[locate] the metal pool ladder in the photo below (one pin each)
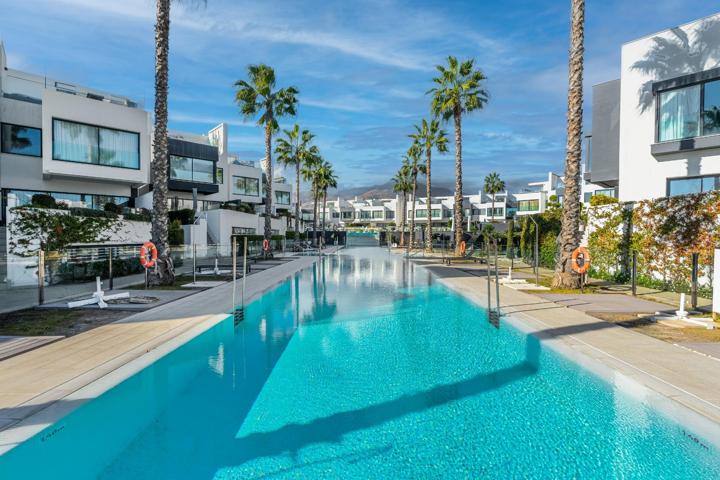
(493, 314)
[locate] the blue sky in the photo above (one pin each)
(362, 68)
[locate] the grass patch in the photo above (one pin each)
(41, 321)
(645, 325)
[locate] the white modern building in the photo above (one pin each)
(87, 148)
(656, 130)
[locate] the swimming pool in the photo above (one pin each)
(363, 367)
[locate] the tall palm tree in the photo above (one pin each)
(493, 185)
(326, 178)
(294, 149)
(402, 183)
(413, 159)
(429, 135)
(565, 277)
(309, 172)
(256, 96)
(459, 90)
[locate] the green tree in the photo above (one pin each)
(309, 172)
(565, 277)
(510, 239)
(492, 186)
(159, 166)
(295, 150)
(459, 91)
(429, 135)
(413, 159)
(326, 178)
(402, 183)
(258, 96)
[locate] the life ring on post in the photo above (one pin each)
(144, 260)
(580, 260)
(266, 245)
(462, 247)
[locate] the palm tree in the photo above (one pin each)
(309, 170)
(493, 185)
(565, 277)
(258, 96)
(459, 90)
(413, 159)
(429, 135)
(402, 183)
(326, 178)
(294, 150)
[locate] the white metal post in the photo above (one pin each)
(234, 272)
(244, 270)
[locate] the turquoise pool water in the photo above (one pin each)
(362, 367)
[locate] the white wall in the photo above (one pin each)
(99, 113)
(642, 175)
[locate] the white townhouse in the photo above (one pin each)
(88, 148)
(656, 130)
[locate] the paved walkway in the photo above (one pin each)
(33, 383)
(618, 354)
(606, 302)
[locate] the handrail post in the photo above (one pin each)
(41, 277)
(234, 273)
(694, 279)
(244, 272)
(497, 281)
(633, 274)
(110, 269)
(487, 256)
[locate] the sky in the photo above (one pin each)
(362, 68)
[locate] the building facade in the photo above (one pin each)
(657, 128)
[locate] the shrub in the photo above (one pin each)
(91, 213)
(113, 208)
(40, 200)
(176, 234)
(548, 250)
(142, 216)
(185, 216)
(598, 200)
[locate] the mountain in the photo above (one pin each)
(385, 190)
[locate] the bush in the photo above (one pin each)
(185, 216)
(176, 234)
(142, 216)
(598, 200)
(111, 207)
(40, 200)
(548, 250)
(90, 213)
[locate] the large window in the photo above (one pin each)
(422, 213)
(282, 198)
(689, 112)
(378, 214)
(528, 205)
(191, 169)
(219, 176)
(711, 108)
(685, 186)
(347, 215)
(246, 186)
(21, 140)
(78, 142)
(19, 198)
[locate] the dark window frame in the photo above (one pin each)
(21, 126)
(52, 131)
(698, 79)
(192, 170)
(691, 177)
(247, 178)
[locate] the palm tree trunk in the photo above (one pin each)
(402, 220)
(569, 238)
(412, 212)
(428, 228)
(267, 169)
(297, 201)
(458, 212)
(159, 168)
(323, 214)
(315, 213)
(492, 209)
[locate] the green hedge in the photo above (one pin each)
(185, 216)
(89, 212)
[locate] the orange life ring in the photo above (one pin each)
(462, 247)
(584, 264)
(266, 245)
(144, 261)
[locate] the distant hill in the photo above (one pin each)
(385, 190)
